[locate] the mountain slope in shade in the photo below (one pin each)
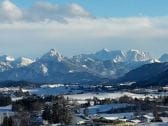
(160, 79)
(145, 73)
(164, 58)
(105, 54)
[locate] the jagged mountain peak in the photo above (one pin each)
(22, 61)
(137, 55)
(136, 51)
(52, 55)
(105, 50)
(53, 52)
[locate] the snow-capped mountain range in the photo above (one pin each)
(118, 56)
(53, 67)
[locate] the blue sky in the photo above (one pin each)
(116, 8)
(32, 27)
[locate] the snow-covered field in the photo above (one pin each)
(128, 115)
(53, 90)
(114, 95)
(105, 108)
(77, 94)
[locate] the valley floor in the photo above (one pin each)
(99, 105)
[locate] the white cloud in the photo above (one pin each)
(40, 11)
(9, 11)
(135, 27)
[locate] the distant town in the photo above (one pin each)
(83, 105)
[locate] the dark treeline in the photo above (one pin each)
(5, 100)
(18, 83)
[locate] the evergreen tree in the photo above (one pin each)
(86, 111)
(47, 113)
(59, 112)
(7, 121)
